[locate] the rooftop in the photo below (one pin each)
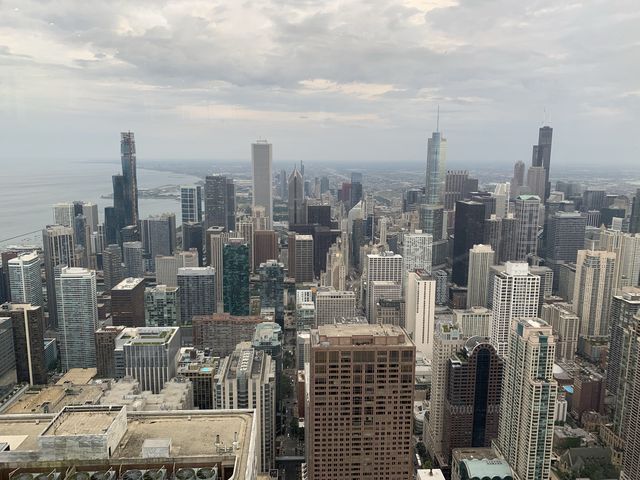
(359, 334)
(86, 421)
(128, 283)
(53, 398)
(78, 376)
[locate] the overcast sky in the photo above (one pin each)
(344, 81)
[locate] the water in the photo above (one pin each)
(28, 189)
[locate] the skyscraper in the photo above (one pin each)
(420, 307)
(301, 258)
(58, 247)
(161, 306)
(112, 266)
(191, 203)
(360, 425)
(130, 178)
(334, 305)
(634, 224)
(542, 155)
(631, 434)
(593, 289)
(167, 266)
(127, 303)
(626, 246)
(566, 326)
(261, 158)
(469, 231)
(536, 178)
(518, 178)
(215, 239)
(385, 266)
(196, 292)
(564, 237)
(26, 280)
(63, 214)
(133, 259)
(219, 202)
(481, 257)
(77, 317)
(235, 284)
(272, 289)
(516, 293)
(624, 306)
(159, 236)
(529, 393)
(265, 248)
(296, 198)
(455, 187)
(417, 251)
(436, 168)
(527, 212)
(193, 237)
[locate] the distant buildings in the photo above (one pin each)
(219, 202)
(261, 161)
(436, 169)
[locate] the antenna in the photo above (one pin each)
(438, 120)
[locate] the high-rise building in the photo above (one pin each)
(127, 303)
(261, 158)
(436, 169)
(624, 306)
(8, 373)
(301, 257)
(265, 247)
(219, 202)
(631, 412)
(235, 282)
(25, 279)
(417, 251)
(627, 249)
(105, 349)
(634, 223)
(58, 248)
(474, 321)
(167, 266)
(448, 339)
(244, 231)
(378, 290)
(130, 177)
(518, 176)
(63, 214)
(529, 393)
(90, 212)
(468, 231)
(360, 425)
(481, 257)
(527, 212)
(536, 178)
(272, 289)
(296, 198)
(196, 291)
(472, 397)
(77, 317)
(159, 236)
(133, 259)
(332, 306)
(112, 266)
(247, 379)
(161, 306)
(564, 237)
(193, 238)
(455, 187)
(566, 326)
(221, 332)
(593, 289)
(542, 155)
(216, 238)
(420, 307)
(28, 341)
(516, 294)
(386, 267)
(191, 203)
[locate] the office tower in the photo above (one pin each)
(411, 199)
(196, 292)
(508, 248)
(105, 346)
(592, 290)
(127, 303)
(455, 187)
(564, 237)
(378, 290)
(245, 231)
(272, 289)
(129, 174)
(417, 251)
(301, 258)
(25, 279)
(216, 237)
(385, 266)
(296, 197)
(342, 415)
(193, 237)
(624, 306)
(58, 248)
(167, 267)
(472, 397)
(627, 250)
(318, 214)
(161, 306)
(219, 202)
(265, 247)
(436, 168)
(566, 327)
(518, 175)
(481, 257)
(235, 284)
(332, 306)
(8, 373)
(112, 266)
(529, 393)
(150, 355)
(631, 457)
(305, 315)
(77, 317)
(634, 223)
(247, 379)
(28, 341)
(474, 321)
(159, 236)
(261, 158)
(221, 332)
(536, 181)
(268, 338)
(133, 261)
(516, 294)
(191, 203)
(80, 231)
(448, 339)
(501, 195)
(469, 231)
(63, 214)
(542, 156)
(527, 212)
(90, 212)
(420, 306)
(391, 312)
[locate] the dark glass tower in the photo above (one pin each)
(468, 231)
(235, 283)
(219, 202)
(130, 178)
(272, 287)
(634, 225)
(542, 156)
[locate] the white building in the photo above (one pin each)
(416, 251)
(191, 203)
(481, 257)
(420, 306)
(167, 266)
(261, 159)
(593, 289)
(332, 304)
(473, 321)
(379, 290)
(25, 279)
(385, 266)
(566, 327)
(63, 214)
(527, 211)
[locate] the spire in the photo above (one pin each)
(438, 120)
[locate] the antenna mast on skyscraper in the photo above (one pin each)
(438, 119)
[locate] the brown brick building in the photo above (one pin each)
(127, 303)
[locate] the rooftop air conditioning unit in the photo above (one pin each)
(186, 474)
(207, 473)
(154, 474)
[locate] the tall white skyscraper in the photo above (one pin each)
(627, 249)
(592, 290)
(90, 211)
(261, 159)
(191, 203)
(385, 266)
(63, 214)
(529, 393)
(26, 280)
(527, 212)
(481, 257)
(502, 193)
(417, 251)
(516, 294)
(58, 246)
(420, 307)
(436, 169)
(77, 317)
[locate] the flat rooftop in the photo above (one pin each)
(128, 283)
(78, 376)
(355, 334)
(54, 397)
(21, 432)
(84, 422)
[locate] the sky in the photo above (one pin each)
(353, 82)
